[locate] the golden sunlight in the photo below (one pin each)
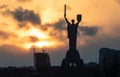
(44, 40)
(43, 44)
(35, 32)
(49, 15)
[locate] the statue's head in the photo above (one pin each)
(72, 21)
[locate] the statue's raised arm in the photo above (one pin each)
(65, 14)
(66, 19)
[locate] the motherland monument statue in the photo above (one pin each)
(72, 58)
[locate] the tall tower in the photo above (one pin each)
(72, 58)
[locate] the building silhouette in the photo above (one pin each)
(109, 61)
(41, 60)
(42, 65)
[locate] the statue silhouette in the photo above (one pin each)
(72, 31)
(72, 58)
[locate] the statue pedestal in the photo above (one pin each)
(72, 59)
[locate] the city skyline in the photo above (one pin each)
(40, 24)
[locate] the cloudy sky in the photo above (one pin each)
(40, 23)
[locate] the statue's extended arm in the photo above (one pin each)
(66, 18)
(78, 22)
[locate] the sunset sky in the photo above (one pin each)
(40, 23)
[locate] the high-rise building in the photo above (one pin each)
(109, 60)
(41, 60)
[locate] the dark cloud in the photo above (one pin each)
(58, 30)
(3, 6)
(23, 25)
(60, 25)
(6, 35)
(85, 30)
(90, 31)
(24, 15)
(59, 35)
(118, 1)
(31, 39)
(46, 26)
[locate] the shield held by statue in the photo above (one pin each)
(79, 17)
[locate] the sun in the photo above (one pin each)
(42, 44)
(36, 32)
(44, 40)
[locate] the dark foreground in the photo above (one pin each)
(56, 72)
